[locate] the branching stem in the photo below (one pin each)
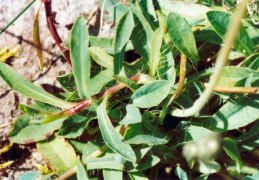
(220, 63)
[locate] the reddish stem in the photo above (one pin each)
(53, 30)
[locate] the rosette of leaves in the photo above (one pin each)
(116, 118)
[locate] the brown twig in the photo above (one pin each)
(53, 30)
(225, 89)
(181, 80)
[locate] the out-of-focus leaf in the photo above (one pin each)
(24, 133)
(17, 83)
(220, 22)
(36, 35)
(151, 94)
(59, 153)
(109, 174)
(182, 36)
(67, 82)
(111, 137)
(232, 74)
(208, 167)
(156, 44)
(81, 172)
(5, 54)
(248, 141)
(137, 175)
(133, 115)
(101, 57)
(123, 32)
(181, 173)
(29, 176)
(81, 61)
(244, 108)
(253, 177)
(231, 149)
(138, 134)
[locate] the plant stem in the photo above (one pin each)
(53, 30)
(68, 174)
(16, 17)
(181, 80)
(220, 63)
(225, 89)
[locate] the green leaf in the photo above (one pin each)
(147, 162)
(123, 32)
(220, 22)
(182, 36)
(151, 94)
(131, 84)
(67, 82)
(138, 134)
(17, 83)
(234, 114)
(109, 174)
(133, 115)
(231, 149)
(156, 44)
(36, 36)
(181, 173)
(59, 153)
(252, 62)
(81, 173)
(209, 167)
(81, 61)
(232, 74)
(101, 57)
(207, 34)
(29, 176)
(249, 140)
(255, 176)
(111, 137)
(162, 21)
(24, 133)
(137, 176)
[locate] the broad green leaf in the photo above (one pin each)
(249, 140)
(101, 57)
(148, 10)
(207, 34)
(182, 36)
(220, 22)
(141, 35)
(255, 176)
(17, 83)
(109, 174)
(252, 62)
(36, 35)
(162, 21)
(147, 162)
(78, 145)
(138, 134)
(29, 176)
(133, 115)
(151, 94)
(81, 172)
(137, 175)
(46, 177)
(231, 75)
(156, 44)
(209, 167)
(73, 126)
(234, 114)
(67, 82)
(24, 133)
(131, 84)
(111, 137)
(231, 149)
(59, 153)
(81, 61)
(181, 173)
(123, 32)
(193, 13)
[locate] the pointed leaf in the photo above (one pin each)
(133, 115)
(17, 83)
(123, 32)
(29, 176)
(36, 35)
(231, 149)
(182, 36)
(81, 61)
(67, 82)
(81, 173)
(101, 57)
(111, 137)
(137, 175)
(131, 84)
(151, 94)
(220, 22)
(109, 174)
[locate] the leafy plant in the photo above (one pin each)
(140, 118)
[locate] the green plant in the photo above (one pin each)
(148, 115)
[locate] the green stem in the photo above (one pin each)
(10, 23)
(220, 63)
